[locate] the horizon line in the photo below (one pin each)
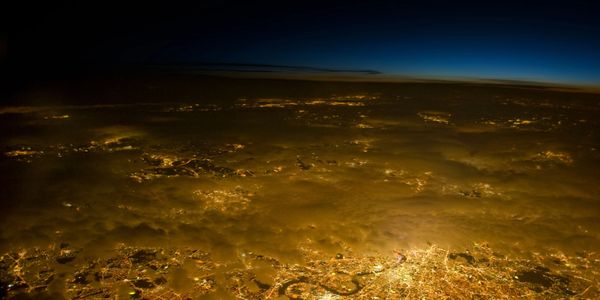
(291, 72)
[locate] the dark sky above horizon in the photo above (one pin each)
(528, 40)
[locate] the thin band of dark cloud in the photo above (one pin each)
(251, 67)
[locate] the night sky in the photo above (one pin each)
(543, 41)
